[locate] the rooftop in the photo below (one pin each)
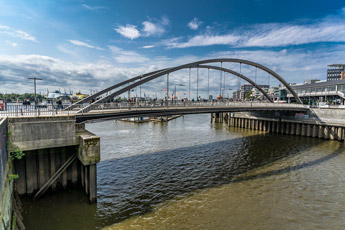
(337, 65)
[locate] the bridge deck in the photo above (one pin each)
(116, 110)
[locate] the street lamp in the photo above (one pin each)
(35, 79)
(178, 85)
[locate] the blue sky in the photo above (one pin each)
(89, 45)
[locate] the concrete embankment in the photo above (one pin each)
(319, 123)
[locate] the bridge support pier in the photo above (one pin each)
(340, 133)
(332, 133)
(326, 132)
(321, 132)
(303, 130)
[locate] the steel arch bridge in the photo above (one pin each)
(204, 64)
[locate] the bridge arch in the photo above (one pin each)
(167, 71)
(152, 75)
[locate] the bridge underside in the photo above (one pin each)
(157, 112)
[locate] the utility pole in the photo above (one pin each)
(35, 79)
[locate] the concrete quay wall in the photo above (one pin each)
(318, 123)
(55, 147)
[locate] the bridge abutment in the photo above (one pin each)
(59, 154)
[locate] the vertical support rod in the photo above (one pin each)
(167, 87)
(223, 83)
(129, 95)
(197, 84)
(208, 84)
(189, 85)
(220, 82)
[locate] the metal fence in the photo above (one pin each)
(51, 110)
(3, 153)
(179, 104)
(31, 110)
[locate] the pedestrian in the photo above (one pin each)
(59, 104)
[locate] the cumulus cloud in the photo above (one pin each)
(79, 43)
(16, 33)
(194, 24)
(56, 73)
(14, 71)
(151, 29)
(128, 31)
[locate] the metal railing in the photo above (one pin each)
(53, 110)
(31, 110)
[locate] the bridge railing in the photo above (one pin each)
(180, 104)
(52, 110)
(32, 110)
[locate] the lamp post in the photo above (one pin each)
(178, 85)
(35, 79)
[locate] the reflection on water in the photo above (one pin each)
(190, 174)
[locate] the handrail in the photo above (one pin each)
(50, 110)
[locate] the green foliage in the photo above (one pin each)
(13, 97)
(16, 153)
(249, 95)
(12, 177)
(14, 150)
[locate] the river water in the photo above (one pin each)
(193, 174)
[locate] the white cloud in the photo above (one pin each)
(165, 21)
(11, 43)
(283, 35)
(329, 29)
(59, 74)
(203, 40)
(16, 33)
(194, 24)
(128, 31)
(151, 29)
(124, 56)
(292, 64)
(94, 8)
(79, 43)
(148, 47)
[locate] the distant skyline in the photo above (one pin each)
(89, 45)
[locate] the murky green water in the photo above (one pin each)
(190, 174)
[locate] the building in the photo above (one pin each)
(236, 95)
(336, 72)
(245, 89)
(319, 91)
